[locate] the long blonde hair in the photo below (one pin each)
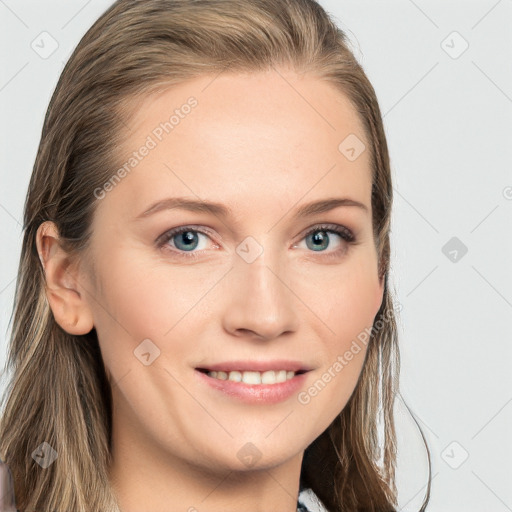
(59, 392)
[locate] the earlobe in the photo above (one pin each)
(63, 290)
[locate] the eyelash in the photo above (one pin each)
(342, 231)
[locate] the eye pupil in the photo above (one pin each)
(188, 237)
(320, 240)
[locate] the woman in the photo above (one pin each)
(202, 305)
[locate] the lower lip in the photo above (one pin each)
(256, 393)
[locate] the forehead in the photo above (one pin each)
(237, 137)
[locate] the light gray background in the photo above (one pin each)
(447, 115)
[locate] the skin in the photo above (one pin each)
(262, 144)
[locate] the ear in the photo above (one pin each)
(63, 290)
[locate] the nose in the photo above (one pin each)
(261, 304)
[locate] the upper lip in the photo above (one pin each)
(257, 366)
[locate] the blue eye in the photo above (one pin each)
(185, 240)
(321, 240)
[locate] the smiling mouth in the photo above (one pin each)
(253, 377)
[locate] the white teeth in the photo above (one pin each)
(236, 376)
(269, 377)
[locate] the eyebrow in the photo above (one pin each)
(218, 209)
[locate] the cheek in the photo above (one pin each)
(347, 300)
(348, 308)
(141, 300)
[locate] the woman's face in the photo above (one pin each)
(245, 282)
